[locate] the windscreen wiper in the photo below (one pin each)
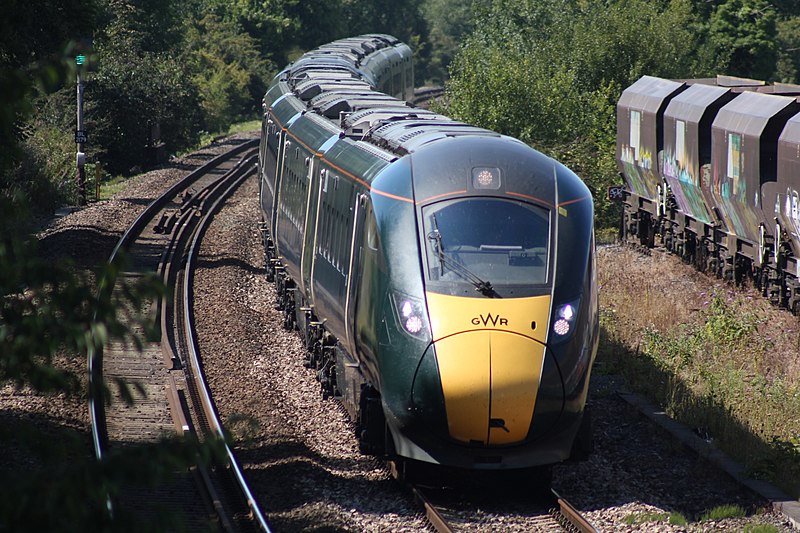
(484, 287)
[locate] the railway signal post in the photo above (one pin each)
(80, 134)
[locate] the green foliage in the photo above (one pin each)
(405, 20)
(760, 528)
(644, 518)
(715, 374)
(228, 71)
(726, 328)
(550, 73)
(744, 36)
(48, 308)
(674, 518)
(68, 491)
(722, 512)
(268, 21)
(130, 95)
(449, 21)
(788, 67)
(677, 519)
(45, 169)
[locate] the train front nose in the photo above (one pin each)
(489, 355)
(489, 382)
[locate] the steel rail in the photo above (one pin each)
(95, 357)
(207, 401)
(573, 516)
(433, 515)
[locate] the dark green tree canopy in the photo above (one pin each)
(744, 36)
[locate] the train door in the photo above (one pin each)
(269, 169)
(356, 246)
(309, 238)
(321, 189)
(284, 145)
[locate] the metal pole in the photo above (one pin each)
(81, 156)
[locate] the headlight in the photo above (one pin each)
(564, 320)
(411, 314)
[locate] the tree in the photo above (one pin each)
(36, 39)
(550, 73)
(449, 22)
(744, 36)
(788, 67)
(227, 69)
(138, 94)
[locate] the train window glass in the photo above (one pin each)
(397, 83)
(500, 241)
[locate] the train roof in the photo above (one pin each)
(791, 132)
(360, 122)
(648, 93)
(333, 81)
(727, 81)
(750, 112)
(693, 103)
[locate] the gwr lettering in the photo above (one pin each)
(489, 319)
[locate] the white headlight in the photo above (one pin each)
(564, 320)
(412, 314)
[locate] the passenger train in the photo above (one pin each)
(441, 275)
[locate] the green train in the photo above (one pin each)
(441, 275)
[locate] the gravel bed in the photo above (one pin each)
(87, 236)
(303, 458)
(299, 451)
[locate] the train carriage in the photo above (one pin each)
(726, 177)
(442, 275)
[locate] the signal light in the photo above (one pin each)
(80, 59)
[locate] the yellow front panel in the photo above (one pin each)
(516, 369)
(464, 359)
(456, 314)
(490, 354)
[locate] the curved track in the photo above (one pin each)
(167, 371)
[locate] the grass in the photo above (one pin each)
(673, 518)
(206, 138)
(718, 359)
(722, 512)
(760, 528)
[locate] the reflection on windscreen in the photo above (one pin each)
(490, 240)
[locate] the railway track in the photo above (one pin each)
(423, 96)
(510, 505)
(167, 371)
(542, 513)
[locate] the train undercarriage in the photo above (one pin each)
(770, 265)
